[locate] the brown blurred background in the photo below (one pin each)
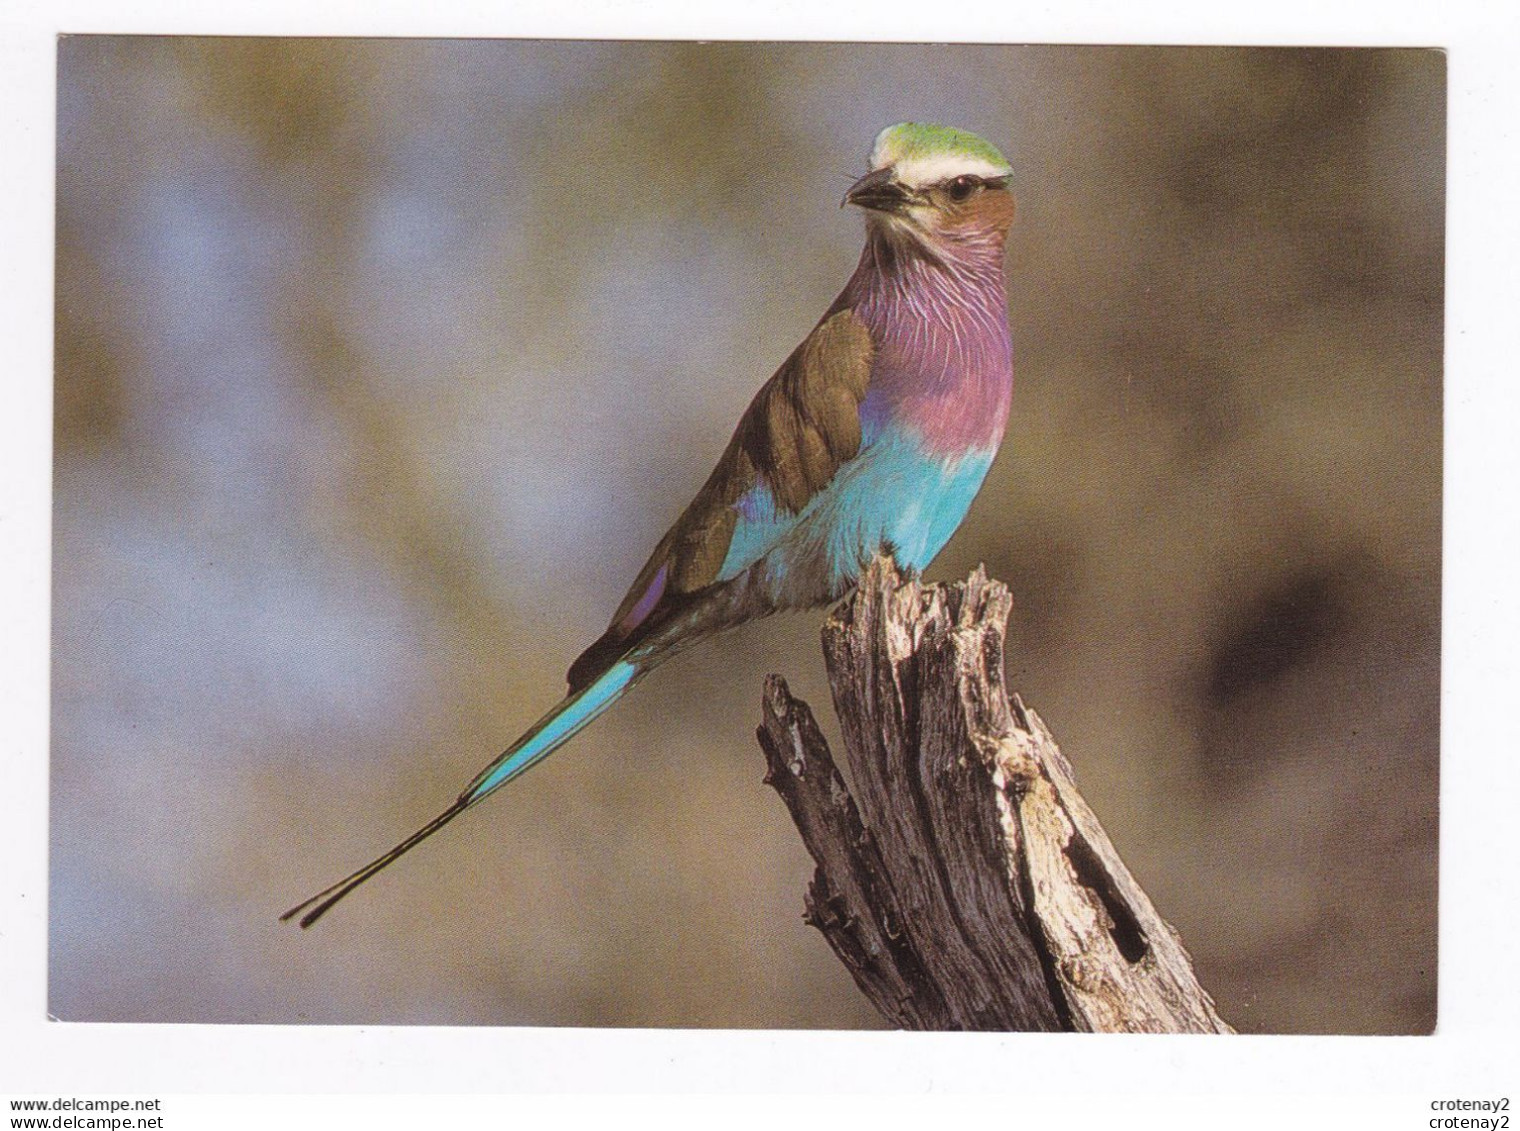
(381, 365)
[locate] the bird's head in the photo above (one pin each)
(936, 185)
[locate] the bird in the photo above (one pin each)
(875, 434)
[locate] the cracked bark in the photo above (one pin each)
(963, 881)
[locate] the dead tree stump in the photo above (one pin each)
(963, 881)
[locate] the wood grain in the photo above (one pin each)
(961, 878)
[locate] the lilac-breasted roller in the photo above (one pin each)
(875, 433)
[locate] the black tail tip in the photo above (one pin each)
(313, 914)
(293, 912)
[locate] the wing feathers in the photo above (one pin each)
(806, 421)
(802, 425)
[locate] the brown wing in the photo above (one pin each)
(802, 425)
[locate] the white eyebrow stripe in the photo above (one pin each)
(921, 171)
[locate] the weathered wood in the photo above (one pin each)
(963, 881)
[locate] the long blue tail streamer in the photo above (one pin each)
(563, 723)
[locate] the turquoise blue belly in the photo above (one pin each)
(891, 493)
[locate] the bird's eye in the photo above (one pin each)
(962, 187)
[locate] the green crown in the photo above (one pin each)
(908, 141)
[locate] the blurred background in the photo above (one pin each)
(382, 365)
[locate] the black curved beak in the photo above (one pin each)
(877, 191)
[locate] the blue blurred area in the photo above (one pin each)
(383, 364)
